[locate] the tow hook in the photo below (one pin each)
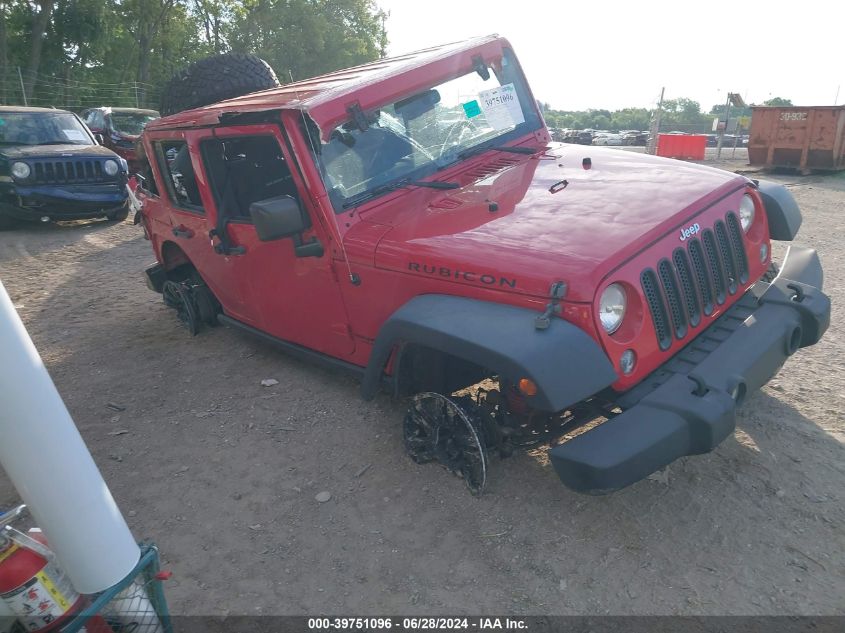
(701, 388)
(557, 291)
(799, 292)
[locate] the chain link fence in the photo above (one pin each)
(68, 94)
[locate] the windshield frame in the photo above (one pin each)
(504, 69)
(23, 115)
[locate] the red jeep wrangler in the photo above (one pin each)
(410, 220)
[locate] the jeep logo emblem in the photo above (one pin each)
(689, 231)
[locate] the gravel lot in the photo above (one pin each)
(222, 473)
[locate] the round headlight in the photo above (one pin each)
(746, 212)
(110, 167)
(612, 308)
(21, 171)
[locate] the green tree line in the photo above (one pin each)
(85, 52)
(682, 114)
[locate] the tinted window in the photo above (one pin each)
(42, 128)
(246, 169)
(178, 171)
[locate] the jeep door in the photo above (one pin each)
(183, 204)
(292, 292)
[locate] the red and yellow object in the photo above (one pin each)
(36, 591)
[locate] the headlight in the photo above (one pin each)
(110, 167)
(746, 212)
(612, 308)
(21, 171)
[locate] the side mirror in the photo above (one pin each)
(275, 218)
(99, 138)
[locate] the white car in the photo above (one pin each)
(608, 139)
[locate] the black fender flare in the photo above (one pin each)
(563, 361)
(782, 210)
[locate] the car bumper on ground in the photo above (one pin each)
(67, 202)
(687, 407)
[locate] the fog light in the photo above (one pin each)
(627, 361)
(527, 387)
(764, 252)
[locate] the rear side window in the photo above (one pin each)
(95, 120)
(178, 171)
(243, 170)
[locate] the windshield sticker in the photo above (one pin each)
(74, 135)
(501, 107)
(472, 109)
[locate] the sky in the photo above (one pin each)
(612, 55)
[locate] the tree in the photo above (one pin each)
(40, 22)
(4, 52)
(215, 17)
(309, 37)
(632, 119)
(778, 101)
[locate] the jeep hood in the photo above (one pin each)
(18, 152)
(509, 231)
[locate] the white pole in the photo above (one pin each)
(50, 466)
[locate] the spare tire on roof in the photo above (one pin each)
(214, 79)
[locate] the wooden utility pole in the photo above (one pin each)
(655, 125)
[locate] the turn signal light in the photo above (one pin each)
(527, 387)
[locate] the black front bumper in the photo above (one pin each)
(687, 406)
(63, 202)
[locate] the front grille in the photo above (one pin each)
(69, 172)
(705, 284)
(682, 265)
(695, 279)
(673, 297)
(737, 248)
(727, 255)
(658, 312)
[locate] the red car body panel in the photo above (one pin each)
(524, 234)
(603, 217)
(606, 224)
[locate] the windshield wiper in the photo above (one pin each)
(392, 186)
(496, 148)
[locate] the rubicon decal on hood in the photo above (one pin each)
(485, 279)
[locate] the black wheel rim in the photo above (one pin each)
(180, 297)
(437, 428)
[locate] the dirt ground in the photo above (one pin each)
(222, 472)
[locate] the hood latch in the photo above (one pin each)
(557, 291)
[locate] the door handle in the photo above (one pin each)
(183, 232)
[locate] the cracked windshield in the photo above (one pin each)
(415, 136)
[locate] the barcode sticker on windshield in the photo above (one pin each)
(501, 107)
(74, 135)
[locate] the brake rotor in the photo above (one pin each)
(178, 296)
(439, 429)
